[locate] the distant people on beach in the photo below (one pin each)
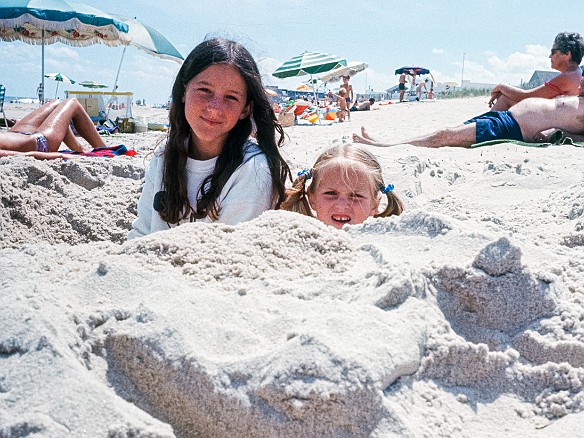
(39, 93)
(343, 105)
(430, 94)
(566, 55)
(531, 120)
(363, 106)
(402, 86)
(419, 89)
(350, 96)
(40, 133)
(221, 161)
(346, 187)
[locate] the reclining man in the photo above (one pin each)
(530, 120)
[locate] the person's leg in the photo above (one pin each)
(71, 141)
(34, 119)
(56, 126)
(37, 155)
(461, 136)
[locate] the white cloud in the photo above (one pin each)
(512, 69)
(438, 51)
(62, 52)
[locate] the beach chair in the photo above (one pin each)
(2, 95)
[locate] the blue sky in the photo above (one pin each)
(502, 41)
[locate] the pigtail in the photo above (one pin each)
(394, 204)
(296, 198)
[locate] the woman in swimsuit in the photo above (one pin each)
(41, 132)
(565, 56)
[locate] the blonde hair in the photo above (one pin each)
(353, 159)
(342, 91)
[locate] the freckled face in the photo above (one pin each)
(215, 100)
(337, 203)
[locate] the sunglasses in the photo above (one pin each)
(555, 50)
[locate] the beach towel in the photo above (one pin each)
(563, 141)
(106, 151)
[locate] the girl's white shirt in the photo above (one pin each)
(246, 195)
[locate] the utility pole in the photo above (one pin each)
(462, 74)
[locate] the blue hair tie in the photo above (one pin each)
(386, 189)
(305, 172)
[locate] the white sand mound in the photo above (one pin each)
(285, 327)
(462, 317)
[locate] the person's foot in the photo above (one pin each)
(365, 134)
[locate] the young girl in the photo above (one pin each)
(343, 106)
(210, 169)
(346, 188)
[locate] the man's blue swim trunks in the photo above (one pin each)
(496, 125)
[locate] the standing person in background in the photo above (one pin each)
(40, 93)
(221, 161)
(402, 86)
(343, 106)
(349, 96)
(566, 55)
(419, 89)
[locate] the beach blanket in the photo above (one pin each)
(106, 151)
(563, 141)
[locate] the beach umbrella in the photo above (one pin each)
(59, 78)
(50, 21)
(351, 69)
(412, 70)
(92, 84)
(149, 40)
(309, 63)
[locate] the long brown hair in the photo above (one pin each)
(175, 205)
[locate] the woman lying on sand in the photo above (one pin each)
(40, 133)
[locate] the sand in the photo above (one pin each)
(462, 317)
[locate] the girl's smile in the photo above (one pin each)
(215, 100)
(337, 203)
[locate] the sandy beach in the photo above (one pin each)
(462, 317)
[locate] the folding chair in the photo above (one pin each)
(2, 94)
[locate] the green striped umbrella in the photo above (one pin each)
(309, 63)
(59, 78)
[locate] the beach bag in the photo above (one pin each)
(286, 119)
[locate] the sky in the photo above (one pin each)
(499, 41)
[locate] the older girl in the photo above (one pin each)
(210, 168)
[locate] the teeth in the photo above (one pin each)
(341, 218)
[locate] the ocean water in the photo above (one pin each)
(20, 99)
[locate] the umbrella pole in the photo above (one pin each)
(42, 96)
(315, 100)
(119, 68)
